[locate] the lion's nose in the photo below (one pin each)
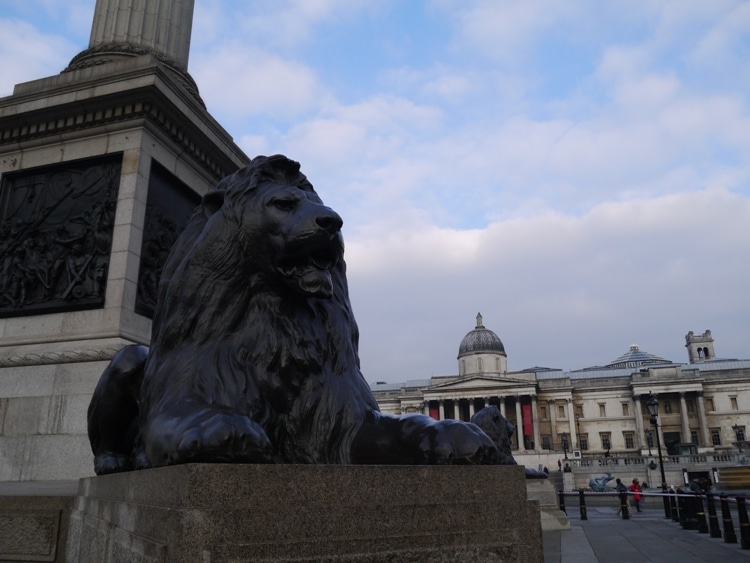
(330, 221)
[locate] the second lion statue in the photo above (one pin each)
(254, 350)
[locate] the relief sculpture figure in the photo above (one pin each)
(254, 354)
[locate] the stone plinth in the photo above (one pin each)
(33, 527)
(222, 513)
(543, 491)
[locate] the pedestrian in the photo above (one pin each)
(695, 486)
(621, 488)
(559, 465)
(635, 488)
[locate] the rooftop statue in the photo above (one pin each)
(253, 356)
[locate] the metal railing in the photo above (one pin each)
(687, 508)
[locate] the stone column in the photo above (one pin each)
(155, 25)
(535, 422)
(639, 430)
(501, 402)
(572, 423)
(519, 423)
(704, 435)
(684, 418)
(426, 408)
(552, 421)
(471, 407)
(441, 407)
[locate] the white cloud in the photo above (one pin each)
(238, 80)
(643, 269)
(29, 54)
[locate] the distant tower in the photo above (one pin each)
(700, 348)
(481, 351)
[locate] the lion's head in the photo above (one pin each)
(272, 203)
(263, 230)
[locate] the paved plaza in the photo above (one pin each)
(646, 537)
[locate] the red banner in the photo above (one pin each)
(528, 425)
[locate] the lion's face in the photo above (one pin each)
(302, 236)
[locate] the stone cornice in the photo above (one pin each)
(114, 110)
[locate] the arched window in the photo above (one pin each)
(479, 364)
(705, 353)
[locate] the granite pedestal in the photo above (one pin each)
(223, 513)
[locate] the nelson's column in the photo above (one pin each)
(100, 166)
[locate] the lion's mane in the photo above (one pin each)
(227, 334)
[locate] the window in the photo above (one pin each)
(716, 436)
(693, 437)
(543, 413)
(667, 407)
(625, 410)
(629, 442)
(733, 400)
(584, 438)
(605, 437)
(579, 411)
(479, 364)
(497, 364)
(602, 410)
(740, 433)
(709, 404)
(561, 411)
(691, 406)
(545, 442)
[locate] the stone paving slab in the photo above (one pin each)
(646, 537)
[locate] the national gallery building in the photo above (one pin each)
(704, 404)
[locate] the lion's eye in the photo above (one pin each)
(286, 204)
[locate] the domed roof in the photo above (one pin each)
(635, 357)
(481, 340)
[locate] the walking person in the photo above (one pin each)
(621, 488)
(635, 488)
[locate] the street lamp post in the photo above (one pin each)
(653, 409)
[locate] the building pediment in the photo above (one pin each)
(495, 383)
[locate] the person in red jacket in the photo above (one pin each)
(635, 488)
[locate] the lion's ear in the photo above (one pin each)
(213, 201)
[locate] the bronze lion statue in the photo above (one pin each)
(254, 355)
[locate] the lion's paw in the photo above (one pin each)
(207, 435)
(455, 442)
(111, 463)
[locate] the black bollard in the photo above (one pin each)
(681, 508)
(713, 519)
(624, 506)
(561, 498)
(673, 506)
(729, 536)
(700, 514)
(744, 523)
(582, 501)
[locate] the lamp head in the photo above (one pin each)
(652, 405)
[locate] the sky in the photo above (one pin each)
(577, 171)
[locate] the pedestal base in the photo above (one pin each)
(223, 513)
